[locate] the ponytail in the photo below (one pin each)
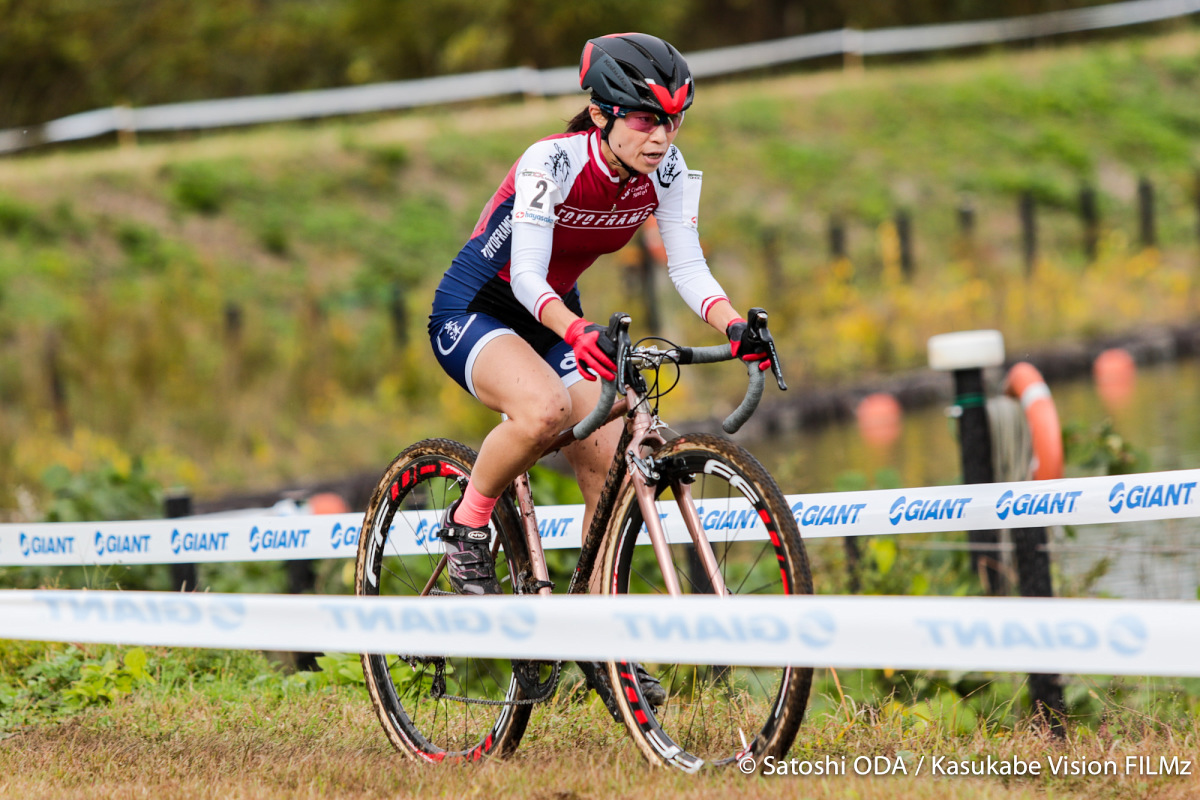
(581, 121)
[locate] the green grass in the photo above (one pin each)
(204, 723)
(325, 241)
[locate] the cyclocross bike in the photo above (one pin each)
(442, 708)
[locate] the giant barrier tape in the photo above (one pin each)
(988, 634)
(1071, 501)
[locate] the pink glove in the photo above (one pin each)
(594, 352)
(746, 346)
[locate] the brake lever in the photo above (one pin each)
(618, 331)
(758, 329)
(618, 334)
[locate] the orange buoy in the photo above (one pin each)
(1115, 373)
(1025, 383)
(879, 416)
(327, 503)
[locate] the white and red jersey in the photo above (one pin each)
(559, 208)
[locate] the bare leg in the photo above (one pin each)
(510, 377)
(591, 458)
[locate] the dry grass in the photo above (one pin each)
(195, 743)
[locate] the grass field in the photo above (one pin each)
(212, 724)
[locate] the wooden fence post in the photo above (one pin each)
(399, 315)
(233, 322)
(1147, 227)
(837, 238)
(57, 383)
(1090, 215)
(904, 234)
(1028, 214)
(184, 577)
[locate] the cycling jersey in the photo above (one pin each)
(559, 208)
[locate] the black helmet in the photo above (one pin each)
(636, 70)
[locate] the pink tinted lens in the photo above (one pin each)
(645, 122)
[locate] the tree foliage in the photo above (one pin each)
(63, 56)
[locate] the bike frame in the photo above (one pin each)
(628, 466)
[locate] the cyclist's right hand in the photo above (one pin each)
(595, 353)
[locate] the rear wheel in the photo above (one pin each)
(436, 708)
(712, 714)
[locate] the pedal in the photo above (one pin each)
(530, 586)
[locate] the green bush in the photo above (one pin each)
(104, 493)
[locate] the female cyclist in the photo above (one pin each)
(507, 322)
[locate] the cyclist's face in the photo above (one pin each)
(644, 151)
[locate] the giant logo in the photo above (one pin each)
(46, 545)
(116, 544)
(1022, 505)
(341, 537)
(921, 509)
(512, 623)
(1149, 495)
(198, 542)
(814, 628)
(1125, 635)
(134, 608)
(832, 514)
(738, 519)
(282, 539)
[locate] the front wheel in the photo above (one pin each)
(712, 714)
(436, 708)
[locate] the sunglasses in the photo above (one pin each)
(644, 121)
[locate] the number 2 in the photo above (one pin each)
(536, 202)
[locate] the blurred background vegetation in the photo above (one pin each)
(238, 310)
(234, 311)
(64, 56)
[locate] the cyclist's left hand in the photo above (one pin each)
(746, 345)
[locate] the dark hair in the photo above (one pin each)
(581, 121)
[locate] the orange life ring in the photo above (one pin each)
(1025, 383)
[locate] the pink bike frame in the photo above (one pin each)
(643, 435)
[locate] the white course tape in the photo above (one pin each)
(989, 634)
(1070, 501)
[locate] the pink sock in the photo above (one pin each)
(475, 509)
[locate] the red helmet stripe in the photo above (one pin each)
(672, 104)
(587, 62)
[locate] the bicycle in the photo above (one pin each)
(437, 708)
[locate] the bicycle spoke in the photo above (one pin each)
(750, 571)
(759, 589)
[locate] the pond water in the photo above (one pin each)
(1161, 420)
